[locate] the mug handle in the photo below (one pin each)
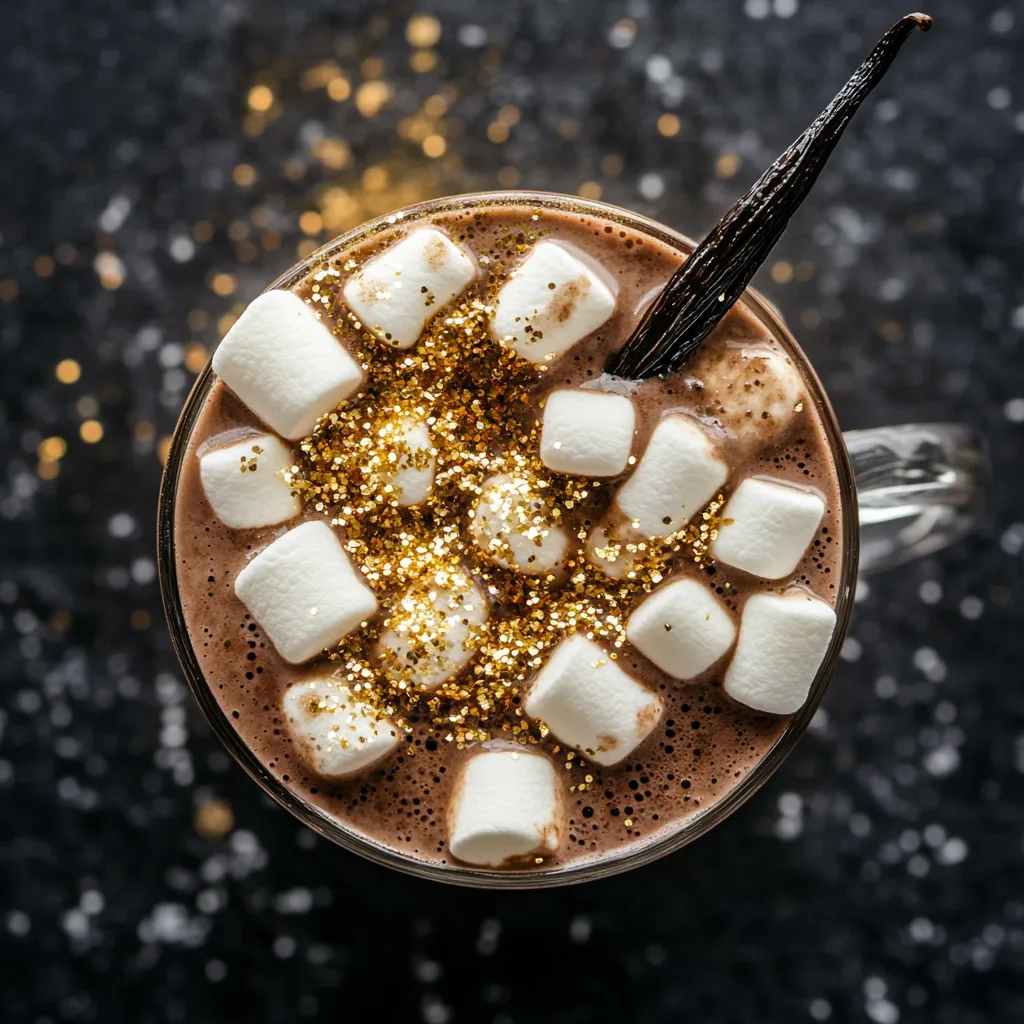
(920, 487)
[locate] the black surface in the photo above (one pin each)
(877, 877)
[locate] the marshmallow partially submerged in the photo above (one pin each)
(511, 527)
(304, 592)
(398, 291)
(783, 639)
(505, 805)
(587, 701)
(551, 301)
(284, 364)
(244, 482)
(754, 390)
(431, 629)
(677, 476)
(615, 548)
(587, 433)
(413, 479)
(772, 524)
(338, 733)
(682, 627)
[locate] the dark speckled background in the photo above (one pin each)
(144, 878)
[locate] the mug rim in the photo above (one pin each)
(601, 866)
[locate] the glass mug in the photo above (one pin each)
(918, 488)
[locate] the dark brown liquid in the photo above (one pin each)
(704, 744)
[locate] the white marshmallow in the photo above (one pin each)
(682, 627)
(284, 364)
(413, 486)
(587, 433)
(551, 301)
(587, 701)
(614, 550)
(677, 476)
(429, 635)
(772, 524)
(754, 390)
(506, 805)
(510, 526)
(783, 639)
(338, 733)
(244, 485)
(398, 291)
(303, 591)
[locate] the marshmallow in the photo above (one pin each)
(551, 301)
(397, 292)
(303, 591)
(509, 525)
(682, 628)
(506, 805)
(414, 479)
(783, 639)
(429, 635)
(244, 482)
(677, 476)
(613, 549)
(284, 364)
(338, 734)
(772, 524)
(587, 701)
(754, 390)
(587, 433)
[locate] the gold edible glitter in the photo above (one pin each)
(480, 404)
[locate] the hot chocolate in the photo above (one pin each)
(470, 597)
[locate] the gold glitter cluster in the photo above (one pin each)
(251, 463)
(482, 407)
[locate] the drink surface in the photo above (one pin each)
(703, 743)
